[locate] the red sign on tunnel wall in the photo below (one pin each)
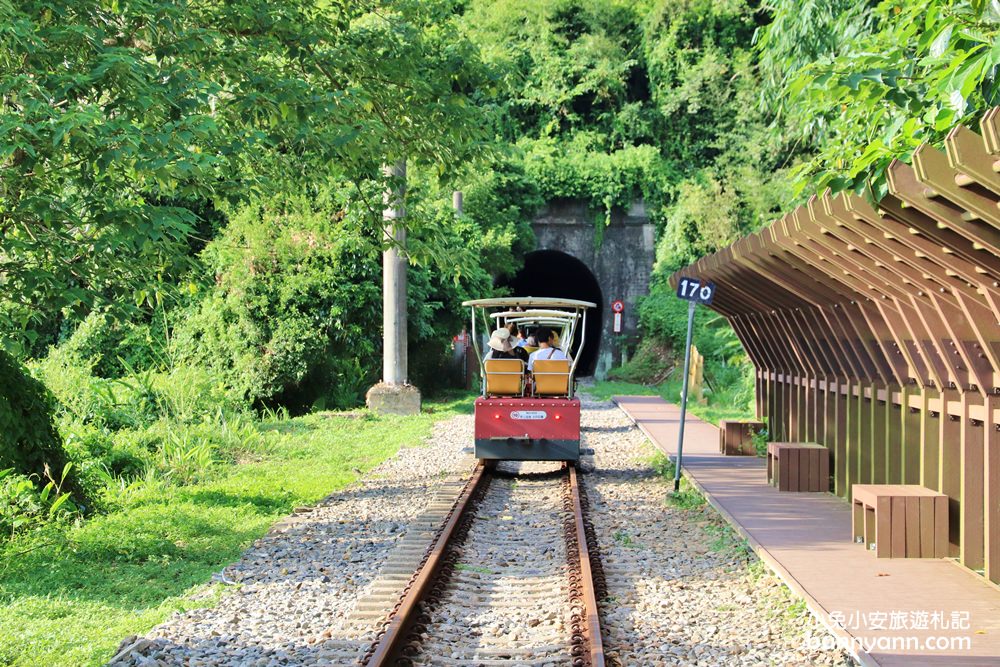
(617, 307)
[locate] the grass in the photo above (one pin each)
(721, 405)
(624, 539)
(462, 567)
(72, 594)
(687, 497)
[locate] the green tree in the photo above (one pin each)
(115, 116)
(901, 73)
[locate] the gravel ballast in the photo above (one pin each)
(680, 588)
(674, 596)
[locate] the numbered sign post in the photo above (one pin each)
(694, 291)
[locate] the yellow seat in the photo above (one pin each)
(551, 377)
(530, 348)
(504, 377)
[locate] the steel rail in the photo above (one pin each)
(592, 631)
(391, 638)
(585, 625)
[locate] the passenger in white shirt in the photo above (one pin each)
(546, 347)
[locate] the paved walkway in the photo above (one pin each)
(893, 606)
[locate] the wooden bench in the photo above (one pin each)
(900, 520)
(736, 437)
(798, 466)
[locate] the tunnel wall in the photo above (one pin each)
(622, 261)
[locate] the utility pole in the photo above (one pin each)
(394, 277)
(394, 395)
(457, 202)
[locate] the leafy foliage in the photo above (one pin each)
(292, 313)
(29, 443)
(289, 293)
(900, 73)
(574, 98)
(113, 342)
(24, 507)
(116, 116)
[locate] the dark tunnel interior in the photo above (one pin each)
(556, 274)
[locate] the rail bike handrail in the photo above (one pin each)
(546, 309)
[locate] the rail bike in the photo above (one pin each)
(522, 415)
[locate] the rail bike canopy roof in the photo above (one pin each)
(535, 315)
(568, 314)
(523, 301)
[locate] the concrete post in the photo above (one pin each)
(457, 200)
(394, 395)
(394, 360)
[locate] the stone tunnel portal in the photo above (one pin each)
(557, 274)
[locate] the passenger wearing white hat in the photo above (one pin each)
(500, 345)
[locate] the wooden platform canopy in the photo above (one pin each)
(875, 330)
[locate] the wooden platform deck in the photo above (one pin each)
(892, 608)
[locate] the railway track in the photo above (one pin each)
(508, 579)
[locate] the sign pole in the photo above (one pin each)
(684, 397)
(694, 291)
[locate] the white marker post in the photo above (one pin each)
(694, 292)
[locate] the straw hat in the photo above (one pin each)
(500, 340)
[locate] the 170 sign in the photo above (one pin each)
(692, 289)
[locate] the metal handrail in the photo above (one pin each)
(570, 320)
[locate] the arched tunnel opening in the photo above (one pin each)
(555, 274)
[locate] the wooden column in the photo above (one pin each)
(973, 443)
(991, 488)
(866, 436)
(910, 423)
(930, 438)
(844, 398)
(950, 464)
(853, 441)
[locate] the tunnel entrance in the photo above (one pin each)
(555, 274)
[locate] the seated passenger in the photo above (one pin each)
(500, 347)
(547, 349)
(530, 344)
(517, 334)
(517, 342)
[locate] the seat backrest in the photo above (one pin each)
(504, 377)
(551, 377)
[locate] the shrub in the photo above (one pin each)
(81, 396)
(99, 455)
(292, 289)
(191, 393)
(293, 313)
(651, 364)
(113, 343)
(24, 506)
(760, 438)
(28, 438)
